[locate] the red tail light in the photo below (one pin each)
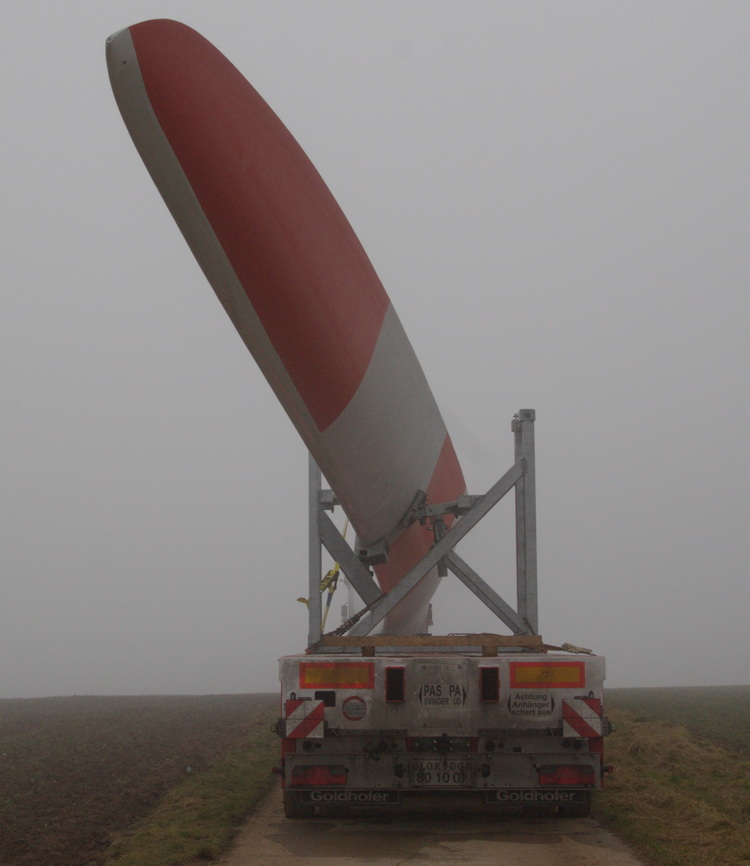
(566, 774)
(321, 775)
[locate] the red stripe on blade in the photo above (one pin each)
(293, 250)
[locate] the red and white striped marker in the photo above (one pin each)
(304, 719)
(582, 717)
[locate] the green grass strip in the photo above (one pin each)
(678, 800)
(199, 819)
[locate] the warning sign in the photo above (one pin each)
(535, 705)
(304, 718)
(442, 695)
(582, 717)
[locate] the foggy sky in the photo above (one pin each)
(555, 197)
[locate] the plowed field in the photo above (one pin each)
(74, 772)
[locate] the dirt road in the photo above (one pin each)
(270, 840)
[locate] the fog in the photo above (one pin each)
(555, 197)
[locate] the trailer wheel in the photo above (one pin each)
(293, 809)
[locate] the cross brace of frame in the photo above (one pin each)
(468, 510)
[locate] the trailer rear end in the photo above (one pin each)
(518, 730)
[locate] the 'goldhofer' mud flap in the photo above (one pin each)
(536, 797)
(349, 798)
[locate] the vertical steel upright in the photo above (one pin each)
(314, 600)
(526, 562)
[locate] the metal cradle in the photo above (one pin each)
(323, 533)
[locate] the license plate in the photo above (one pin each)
(439, 772)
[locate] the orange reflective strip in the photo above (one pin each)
(336, 675)
(556, 675)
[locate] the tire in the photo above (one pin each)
(295, 810)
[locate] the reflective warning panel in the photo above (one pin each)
(556, 675)
(582, 717)
(304, 718)
(336, 675)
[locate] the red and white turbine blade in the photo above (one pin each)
(297, 284)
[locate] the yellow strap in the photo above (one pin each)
(330, 582)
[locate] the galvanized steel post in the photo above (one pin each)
(315, 553)
(526, 560)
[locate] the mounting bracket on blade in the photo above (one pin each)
(469, 510)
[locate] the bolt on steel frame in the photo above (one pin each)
(323, 533)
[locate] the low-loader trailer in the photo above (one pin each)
(477, 720)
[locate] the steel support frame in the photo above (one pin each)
(521, 477)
